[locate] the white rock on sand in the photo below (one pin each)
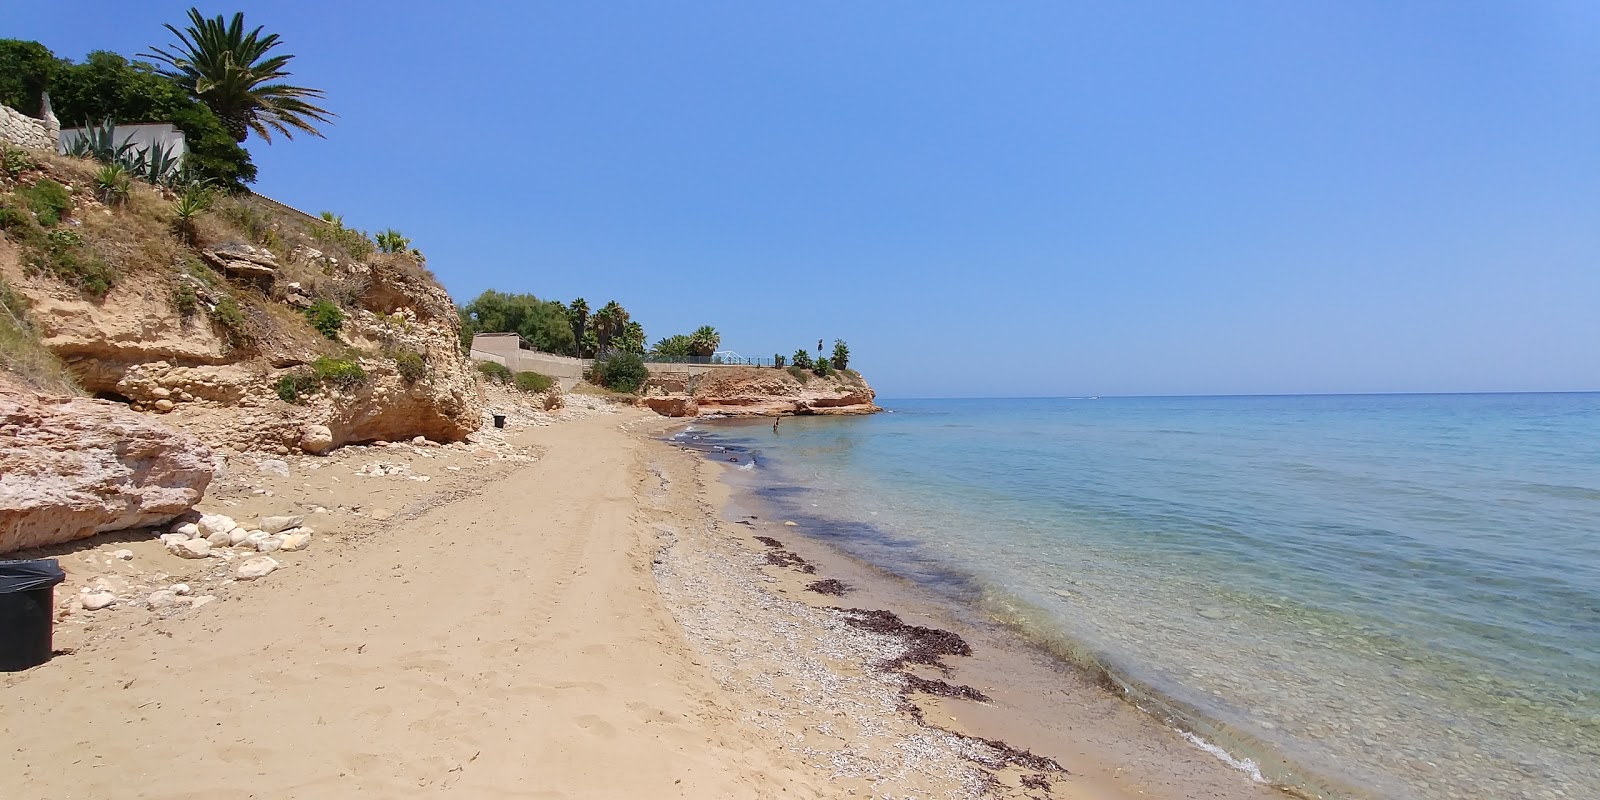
(216, 523)
(94, 601)
(123, 555)
(170, 539)
(280, 524)
(258, 567)
(316, 439)
(188, 529)
(271, 544)
(190, 548)
(180, 589)
(162, 598)
(237, 537)
(298, 539)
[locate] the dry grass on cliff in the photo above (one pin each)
(23, 360)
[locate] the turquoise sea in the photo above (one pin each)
(1386, 596)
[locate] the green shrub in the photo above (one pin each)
(620, 372)
(194, 201)
(410, 366)
(823, 367)
(342, 373)
(63, 255)
(494, 371)
(800, 374)
(841, 354)
(184, 299)
(532, 382)
(14, 161)
(230, 318)
(294, 387)
(326, 317)
(802, 359)
(390, 241)
(351, 242)
(47, 200)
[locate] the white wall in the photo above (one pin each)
(154, 135)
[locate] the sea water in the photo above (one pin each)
(1388, 596)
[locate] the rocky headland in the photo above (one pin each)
(759, 392)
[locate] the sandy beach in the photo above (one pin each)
(575, 609)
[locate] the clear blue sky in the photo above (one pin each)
(1085, 198)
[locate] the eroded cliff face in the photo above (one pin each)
(756, 391)
(202, 329)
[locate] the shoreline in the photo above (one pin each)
(1034, 701)
(569, 596)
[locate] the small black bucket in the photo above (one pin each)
(499, 420)
(27, 602)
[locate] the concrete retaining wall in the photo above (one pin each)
(506, 349)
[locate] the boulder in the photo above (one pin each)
(271, 544)
(258, 567)
(220, 539)
(237, 536)
(316, 439)
(74, 467)
(94, 601)
(162, 598)
(188, 529)
(280, 524)
(679, 406)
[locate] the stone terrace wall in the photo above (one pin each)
(24, 131)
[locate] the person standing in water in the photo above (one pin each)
(775, 421)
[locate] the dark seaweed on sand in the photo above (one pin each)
(937, 688)
(923, 645)
(769, 541)
(831, 586)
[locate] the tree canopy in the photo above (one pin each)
(108, 86)
(230, 71)
(543, 323)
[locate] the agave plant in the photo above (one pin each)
(112, 183)
(160, 165)
(99, 142)
(229, 70)
(194, 201)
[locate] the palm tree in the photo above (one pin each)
(229, 71)
(608, 324)
(705, 341)
(632, 338)
(578, 313)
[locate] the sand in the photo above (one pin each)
(565, 614)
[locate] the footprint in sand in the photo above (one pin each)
(595, 726)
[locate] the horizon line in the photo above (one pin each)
(1242, 394)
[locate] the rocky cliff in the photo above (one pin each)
(756, 391)
(245, 327)
(205, 322)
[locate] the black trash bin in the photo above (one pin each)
(27, 605)
(499, 420)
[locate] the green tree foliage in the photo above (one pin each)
(823, 368)
(632, 338)
(25, 70)
(107, 86)
(390, 241)
(578, 315)
(841, 354)
(802, 359)
(705, 341)
(675, 346)
(543, 323)
(229, 70)
(326, 317)
(620, 372)
(778, 360)
(608, 323)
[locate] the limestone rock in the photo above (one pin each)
(298, 539)
(94, 601)
(180, 589)
(316, 439)
(162, 598)
(190, 548)
(671, 406)
(170, 539)
(188, 529)
(273, 466)
(75, 467)
(237, 537)
(280, 524)
(254, 540)
(220, 539)
(255, 568)
(217, 523)
(123, 555)
(271, 544)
